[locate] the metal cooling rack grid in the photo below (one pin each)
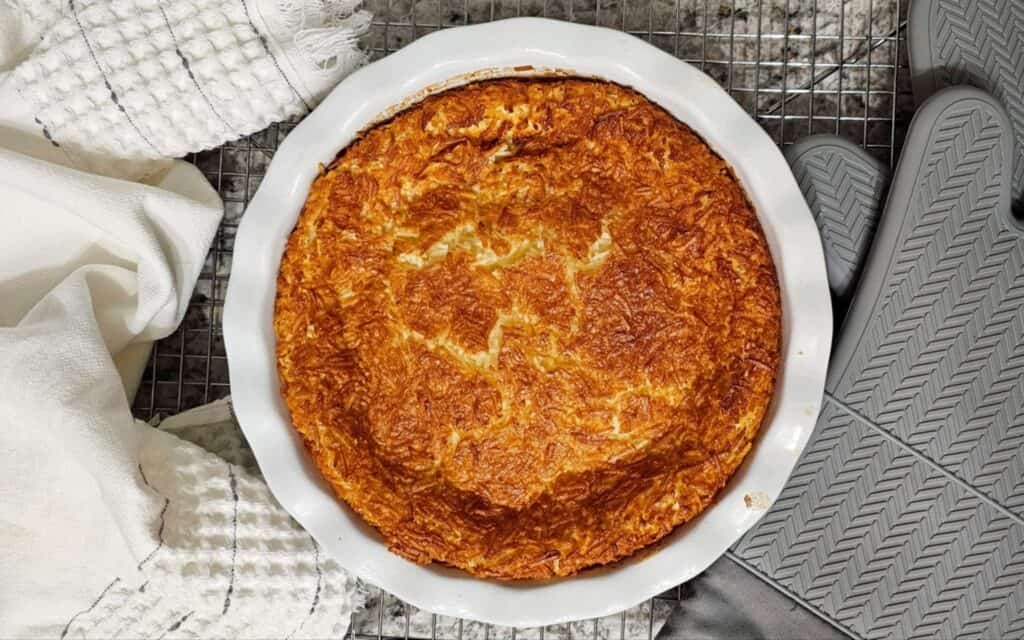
(798, 66)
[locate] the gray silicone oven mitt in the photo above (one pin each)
(977, 42)
(905, 515)
(844, 187)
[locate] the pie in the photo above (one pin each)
(527, 326)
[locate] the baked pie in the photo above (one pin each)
(527, 326)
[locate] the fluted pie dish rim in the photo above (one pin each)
(512, 48)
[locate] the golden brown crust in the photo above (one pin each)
(527, 326)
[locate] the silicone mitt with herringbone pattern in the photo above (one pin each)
(905, 515)
(845, 188)
(977, 42)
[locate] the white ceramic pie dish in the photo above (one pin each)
(456, 56)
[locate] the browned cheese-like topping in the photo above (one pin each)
(527, 326)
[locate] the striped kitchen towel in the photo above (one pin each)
(116, 86)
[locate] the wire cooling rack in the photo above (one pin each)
(798, 66)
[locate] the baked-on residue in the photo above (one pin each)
(527, 326)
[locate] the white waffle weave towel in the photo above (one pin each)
(110, 527)
(140, 80)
